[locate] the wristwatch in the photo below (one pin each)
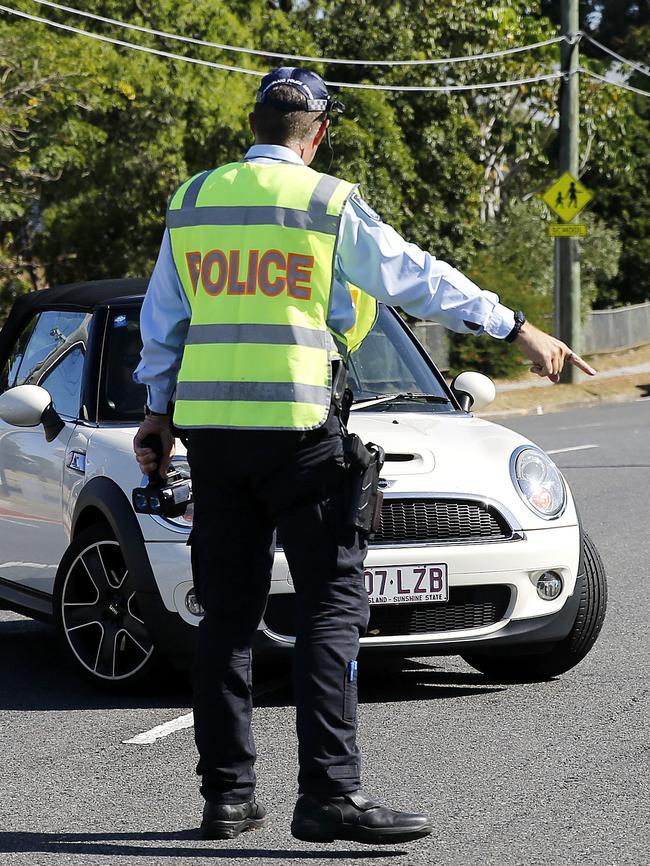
(519, 321)
(148, 411)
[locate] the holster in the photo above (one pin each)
(364, 463)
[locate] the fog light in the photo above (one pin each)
(549, 585)
(192, 603)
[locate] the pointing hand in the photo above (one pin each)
(547, 353)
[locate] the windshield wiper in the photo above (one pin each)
(388, 398)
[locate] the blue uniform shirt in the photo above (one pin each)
(370, 254)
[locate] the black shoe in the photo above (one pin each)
(356, 817)
(227, 820)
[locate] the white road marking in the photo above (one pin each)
(180, 723)
(164, 730)
(29, 565)
(580, 426)
(574, 448)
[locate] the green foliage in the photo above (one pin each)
(609, 21)
(94, 138)
(621, 178)
(466, 151)
(516, 262)
(618, 169)
(14, 280)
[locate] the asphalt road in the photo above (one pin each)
(553, 773)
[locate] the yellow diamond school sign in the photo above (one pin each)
(567, 197)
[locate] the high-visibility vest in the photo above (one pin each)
(254, 248)
(365, 316)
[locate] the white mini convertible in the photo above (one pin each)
(480, 551)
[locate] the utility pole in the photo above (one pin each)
(567, 290)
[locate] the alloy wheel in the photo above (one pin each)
(100, 614)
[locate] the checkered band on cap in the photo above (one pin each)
(307, 83)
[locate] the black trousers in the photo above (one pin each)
(247, 483)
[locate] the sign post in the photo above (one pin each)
(567, 290)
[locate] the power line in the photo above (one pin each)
(614, 83)
(331, 60)
(446, 88)
(639, 67)
(131, 45)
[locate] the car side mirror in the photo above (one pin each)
(29, 406)
(473, 391)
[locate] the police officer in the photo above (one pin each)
(244, 323)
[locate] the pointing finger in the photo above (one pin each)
(577, 361)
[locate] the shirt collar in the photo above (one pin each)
(273, 151)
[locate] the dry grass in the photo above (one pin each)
(558, 397)
(627, 358)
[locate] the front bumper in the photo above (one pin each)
(511, 567)
(541, 630)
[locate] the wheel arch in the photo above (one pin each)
(89, 515)
(103, 501)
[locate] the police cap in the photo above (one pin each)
(305, 82)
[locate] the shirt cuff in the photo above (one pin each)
(500, 322)
(157, 401)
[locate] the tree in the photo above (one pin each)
(622, 175)
(616, 167)
(43, 133)
(94, 138)
(470, 151)
(609, 21)
(516, 261)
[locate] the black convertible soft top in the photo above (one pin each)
(75, 296)
(82, 296)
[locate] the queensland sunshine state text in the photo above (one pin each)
(270, 272)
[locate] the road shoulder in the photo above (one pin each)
(622, 376)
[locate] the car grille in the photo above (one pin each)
(468, 607)
(411, 520)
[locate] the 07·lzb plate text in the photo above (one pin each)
(407, 583)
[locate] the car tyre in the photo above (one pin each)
(543, 664)
(97, 613)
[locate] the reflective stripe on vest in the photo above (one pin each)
(254, 247)
(262, 334)
(315, 217)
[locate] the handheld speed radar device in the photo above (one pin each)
(167, 497)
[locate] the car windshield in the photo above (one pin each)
(387, 373)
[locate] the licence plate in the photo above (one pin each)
(407, 584)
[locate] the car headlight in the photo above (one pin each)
(538, 481)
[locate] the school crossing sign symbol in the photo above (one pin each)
(567, 197)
